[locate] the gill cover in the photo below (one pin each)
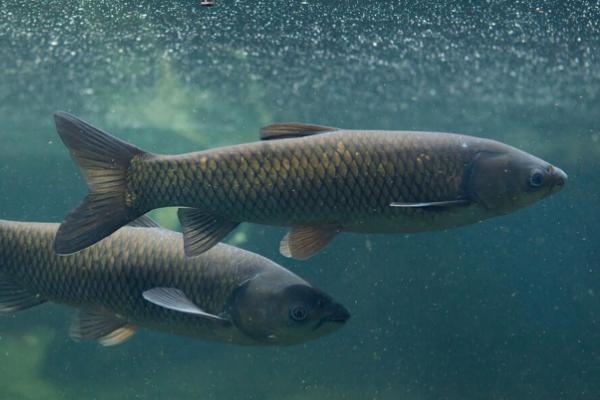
(483, 184)
(281, 309)
(501, 182)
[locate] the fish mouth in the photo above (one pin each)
(560, 179)
(337, 315)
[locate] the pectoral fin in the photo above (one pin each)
(202, 230)
(448, 203)
(143, 222)
(292, 130)
(101, 325)
(14, 298)
(303, 242)
(176, 300)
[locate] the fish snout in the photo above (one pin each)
(337, 313)
(560, 179)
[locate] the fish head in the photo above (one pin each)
(503, 179)
(282, 313)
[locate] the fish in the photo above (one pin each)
(316, 180)
(140, 278)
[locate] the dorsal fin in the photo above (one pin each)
(292, 130)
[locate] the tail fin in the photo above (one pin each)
(104, 161)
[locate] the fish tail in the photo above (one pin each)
(104, 161)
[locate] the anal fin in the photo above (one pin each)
(303, 242)
(14, 298)
(202, 230)
(101, 325)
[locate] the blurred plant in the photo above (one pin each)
(22, 358)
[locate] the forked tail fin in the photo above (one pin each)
(104, 162)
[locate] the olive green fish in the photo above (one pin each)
(317, 180)
(140, 277)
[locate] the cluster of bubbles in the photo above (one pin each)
(369, 61)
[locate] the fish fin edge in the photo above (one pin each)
(303, 242)
(118, 336)
(292, 130)
(98, 324)
(104, 162)
(144, 222)
(174, 299)
(14, 298)
(430, 204)
(202, 230)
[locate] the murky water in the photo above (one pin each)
(505, 309)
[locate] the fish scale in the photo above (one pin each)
(322, 182)
(114, 273)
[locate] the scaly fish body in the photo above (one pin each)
(113, 276)
(317, 180)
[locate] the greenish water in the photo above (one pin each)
(505, 309)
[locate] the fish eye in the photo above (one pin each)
(298, 313)
(536, 179)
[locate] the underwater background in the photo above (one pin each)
(505, 309)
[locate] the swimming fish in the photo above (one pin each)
(317, 180)
(140, 278)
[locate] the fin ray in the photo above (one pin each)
(202, 230)
(303, 242)
(430, 204)
(104, 161)
(291, 130)
(101, 325)
(118, 336)
(14, 298)
(144, 222)
(176, 300)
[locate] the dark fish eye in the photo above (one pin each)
(536, 179)
(298, 313)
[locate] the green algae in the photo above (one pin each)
(21, 366)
